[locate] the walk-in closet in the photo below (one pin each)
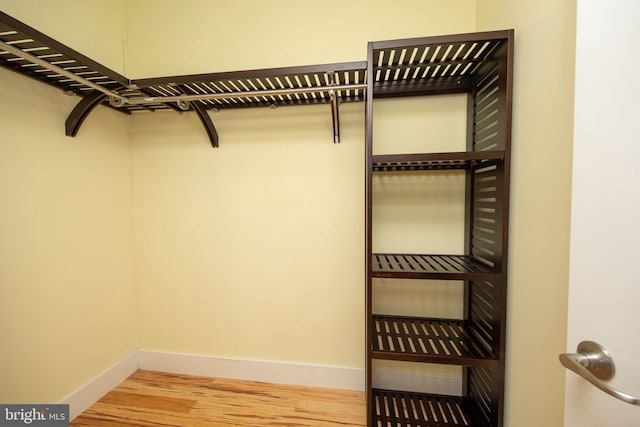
(437, 160)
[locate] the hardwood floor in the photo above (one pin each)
(154, 399)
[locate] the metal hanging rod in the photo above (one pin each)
(243, 94)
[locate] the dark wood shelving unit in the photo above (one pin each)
(481, 66)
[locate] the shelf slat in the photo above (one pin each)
(399, 408)
(442, 267)
(427, 340)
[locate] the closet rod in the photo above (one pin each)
(58, 70)
(244, 94)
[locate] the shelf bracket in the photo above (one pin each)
(207, 123)
(81, 111)
(335, 116)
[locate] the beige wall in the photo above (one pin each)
(66, 301)
(540, 204)
(203, 36)
(253, 250)
(96, 29)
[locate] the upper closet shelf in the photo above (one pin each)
(431, 65)
(29, 52)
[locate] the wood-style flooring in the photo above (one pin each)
(157, 399)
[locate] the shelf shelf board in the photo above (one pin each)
(398, 408)
(298, 85)
(432, 65)
(416, 339)
(438, 267)
(433, 161)
(27, 51)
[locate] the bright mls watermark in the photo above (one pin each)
(34, 415)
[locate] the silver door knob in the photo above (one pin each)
(593, 363)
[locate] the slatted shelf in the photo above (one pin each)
(306, 85)
(431, 65)
(441, 267)
(397, 408)
(223, 86)
(427, 340)
(434, 161)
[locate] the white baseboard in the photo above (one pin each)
(91, 392)
(254, 370)
(189, 364)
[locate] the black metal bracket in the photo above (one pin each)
(89, 102)
(81, 111)
(207, 123)
(335, 116)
